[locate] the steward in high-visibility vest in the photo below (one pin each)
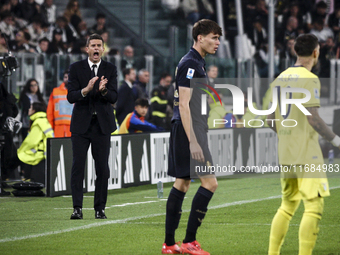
(33, 148)
(59, 110)
(159, 102)
(32, 151)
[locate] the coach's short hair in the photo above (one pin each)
(143, 102)
(94, 37)
(305, 44)
(205, 27)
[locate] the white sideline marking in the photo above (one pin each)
(121, 205)
(133, 218)
(71, 196)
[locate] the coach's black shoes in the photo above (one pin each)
(100, 214)
(77, 214)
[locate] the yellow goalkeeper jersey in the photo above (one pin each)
(298, 145)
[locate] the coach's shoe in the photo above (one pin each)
(100, 214)
(77, 214)
(173, 249)
(193, 248)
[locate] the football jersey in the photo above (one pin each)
(192, 65)
(298, 145)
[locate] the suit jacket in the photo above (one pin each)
(125, 102)
(79, 76)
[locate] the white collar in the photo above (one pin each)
(129, 83)
(91, 63)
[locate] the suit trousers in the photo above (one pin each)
(100, 147)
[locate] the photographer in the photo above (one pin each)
(8, 109)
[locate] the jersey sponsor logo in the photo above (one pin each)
(316, 94)
(190, 73)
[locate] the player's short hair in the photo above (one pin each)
(143, 102)
(94, 37)
(39, 107)
(205, 27)
(305, 44)
(126, 71)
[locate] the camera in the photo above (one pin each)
(8, 64)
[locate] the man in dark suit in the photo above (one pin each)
(139, 86)
(126, 102)
(92, 87)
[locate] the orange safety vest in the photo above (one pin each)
(59, 110)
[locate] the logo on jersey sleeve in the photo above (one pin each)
(190, 73)
(316, 94)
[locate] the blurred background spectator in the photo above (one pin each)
(57, 46)
(195, 10)
(139, 86)
(128, 57)
(7, 25)
(30, 9)
(287, 32)
(212, 72)
(42, 46)
(135, 121)
(288, 54)
(257, 11)
(125, 102)
(20, 43)
(100, 26)
(29, 95)
(321, 31)
(48, 12)
(72, 13)
(334, 22)
(257, 33)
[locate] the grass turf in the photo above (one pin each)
(238, 222)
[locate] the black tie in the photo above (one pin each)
(93, 72)
(92, 93)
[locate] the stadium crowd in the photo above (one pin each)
(35, 27)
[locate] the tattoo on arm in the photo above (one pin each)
(319, 125)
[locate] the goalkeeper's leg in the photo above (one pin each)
(309, 226)
(280, 225)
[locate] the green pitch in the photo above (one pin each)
(237, 223)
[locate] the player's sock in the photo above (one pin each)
(198, 211)
(280, 225)
(173, 214)
(309, 226)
